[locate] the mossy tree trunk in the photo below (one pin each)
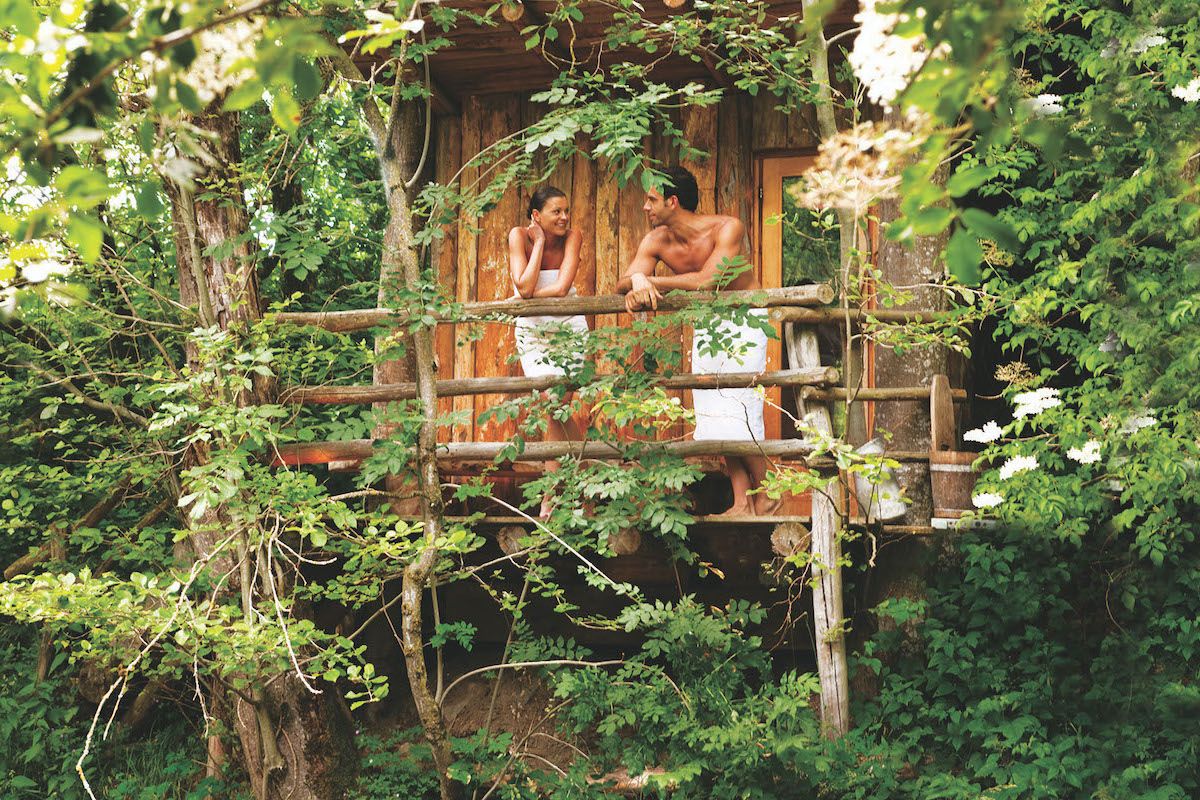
(296, 743)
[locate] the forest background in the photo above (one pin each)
(174, 171)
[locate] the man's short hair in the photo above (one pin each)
(682, 184)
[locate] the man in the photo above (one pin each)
(695, 247)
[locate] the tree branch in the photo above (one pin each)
(99, 405)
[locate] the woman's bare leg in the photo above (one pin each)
(558, 432)
(740, 481)
(763, 505)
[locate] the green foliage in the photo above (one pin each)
(697, 704)
(42, 728)
(1023, 680)
(1059, 661)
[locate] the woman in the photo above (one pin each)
(543, 257)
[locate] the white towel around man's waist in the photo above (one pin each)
(729, 413)
(534, 335)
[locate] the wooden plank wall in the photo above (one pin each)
(474, 266)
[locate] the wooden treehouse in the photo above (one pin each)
(481, 93)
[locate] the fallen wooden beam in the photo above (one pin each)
(363, 319)
(383, 393)
(93, 517)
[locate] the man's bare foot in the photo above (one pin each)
(737, 510)
(547, 508)
(766, 507)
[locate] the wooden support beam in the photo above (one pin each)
(825, 316)
(445, 104)
(505, 385)
(829, 624)
(363, 319)
(483, 452)
(838, 394)
(521, 16)
(710, 64)
(713, 521)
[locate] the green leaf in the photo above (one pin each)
(968, 180)
(85, 234)
(308, 80)
(82, 187)
(931, 220)
(148, 203)
(188, 98)
(986, 226)
(147, 136)
(963, 256)
(285, 110)
(244, 96)
(21, 15)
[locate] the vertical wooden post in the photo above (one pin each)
(828, 622)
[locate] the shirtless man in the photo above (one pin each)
(694, 247)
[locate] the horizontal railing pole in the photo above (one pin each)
(710, 520)
(825, 316)
(875, 394)
(357, 449)
(360, 319)
(455, 387)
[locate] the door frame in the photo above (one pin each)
(770, 168)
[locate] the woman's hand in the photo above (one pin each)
(536, 233)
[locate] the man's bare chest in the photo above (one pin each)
(689, 257)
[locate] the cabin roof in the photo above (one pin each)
(494, 59)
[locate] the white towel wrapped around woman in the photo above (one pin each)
(729, 413)
(534, 336)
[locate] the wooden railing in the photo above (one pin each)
(815, 386)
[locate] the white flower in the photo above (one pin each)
(8, 302)
(1088, 454)
(1137, 422)
(990, 432)
(1189, 93)
(1017, 465)
(213, 72)
(1043, 105)
(1035, 402)
(1151, 38)
(40, 270)
(987, 500)
(883, 61)
(1111, 344)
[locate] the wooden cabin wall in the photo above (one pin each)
(474, 265)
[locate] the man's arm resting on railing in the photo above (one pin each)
(640, 293)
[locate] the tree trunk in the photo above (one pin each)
(903, 566)
(397, 145)
(397, 159)
(296, 744)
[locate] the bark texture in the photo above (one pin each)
(295, 743)
(903, 566)
(397, 147)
